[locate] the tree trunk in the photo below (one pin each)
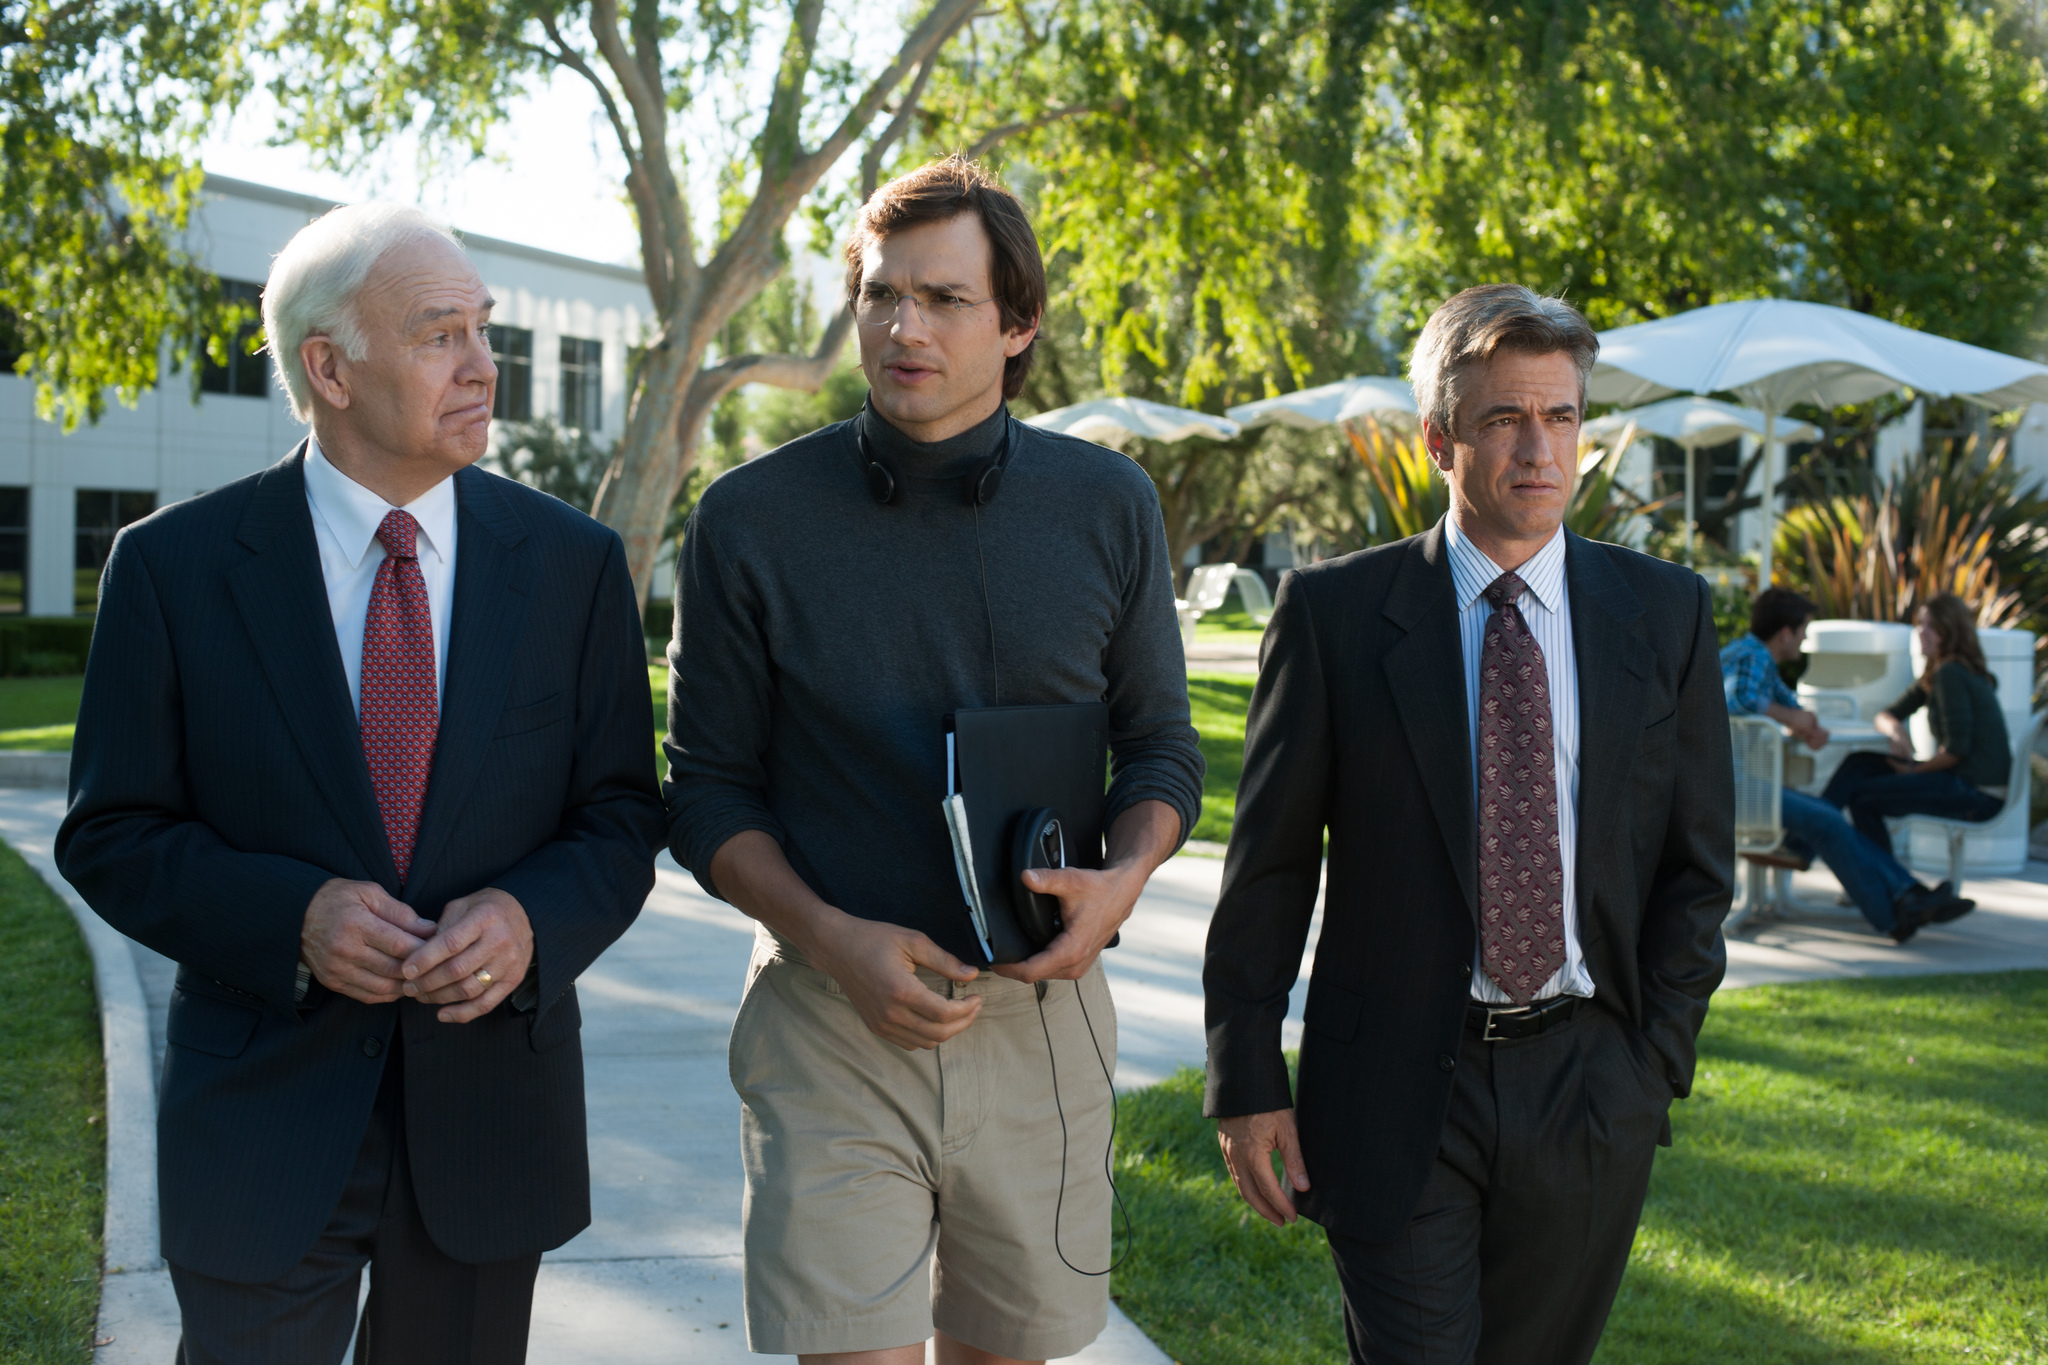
(650, 462)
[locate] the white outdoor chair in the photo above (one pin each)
(2009, 823)
(1759, 826)
(1251, 590)
(1208, 585)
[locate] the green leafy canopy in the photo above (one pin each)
(100, 105)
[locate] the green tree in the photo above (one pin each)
(1917, 184)
(100, 107)
(1195, 170)
(1648, 156)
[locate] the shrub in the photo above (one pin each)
(42, 646)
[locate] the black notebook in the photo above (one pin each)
(1006, 761)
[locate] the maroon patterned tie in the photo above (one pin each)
(400, 711)
(1521, 880)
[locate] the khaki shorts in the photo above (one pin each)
(863, 1160)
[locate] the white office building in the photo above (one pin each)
(563, 330)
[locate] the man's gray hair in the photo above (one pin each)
(1472, 327)
(314, 281)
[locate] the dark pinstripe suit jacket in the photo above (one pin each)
(1358, 726)
(218, 780)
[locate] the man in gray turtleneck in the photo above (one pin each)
(835, 599)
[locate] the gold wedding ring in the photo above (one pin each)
(484, 978)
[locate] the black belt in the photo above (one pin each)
(1505, 1023)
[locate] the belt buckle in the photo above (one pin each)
(1487, 1035)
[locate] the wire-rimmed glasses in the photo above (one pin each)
(877, 305)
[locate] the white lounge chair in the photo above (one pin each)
(2009, 824)
(1251, 591)
(1208, 585)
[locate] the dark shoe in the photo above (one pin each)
(1912, 911)
(1950, 909)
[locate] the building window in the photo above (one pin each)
(582, 383)
(13, 551)
(245, 375)
(102, 512)
(512, 349)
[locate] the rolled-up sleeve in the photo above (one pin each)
(718, 708)
(1154, 753)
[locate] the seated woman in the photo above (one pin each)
(1966, 777)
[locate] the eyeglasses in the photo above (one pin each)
(877, 305)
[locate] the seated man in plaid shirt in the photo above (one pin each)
(1882, 888)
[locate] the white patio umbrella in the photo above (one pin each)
(1388, 400)
(1694, 422)
(1110, 421)
(1773, 353)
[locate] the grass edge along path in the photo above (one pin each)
(1860, 1178)
(52, 1126)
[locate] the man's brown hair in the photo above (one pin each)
(940, 191)
(1777, 608)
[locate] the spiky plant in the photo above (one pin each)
(1947, 521)
(1403, 491)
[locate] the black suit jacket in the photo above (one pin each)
(1358, 725)
(218, 780)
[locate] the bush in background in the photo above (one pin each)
(1946, 521)
(44, 646)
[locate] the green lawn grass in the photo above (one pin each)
(52, 1138)
(1861, 1178)
(1229, 622)
(1217, 702)
(38, 713)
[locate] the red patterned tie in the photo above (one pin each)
(400, 710)
(1521, 880)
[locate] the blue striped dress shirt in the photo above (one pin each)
(1547, 607)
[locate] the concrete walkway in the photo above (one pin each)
(656, 1276)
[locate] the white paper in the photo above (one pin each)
(963, 863)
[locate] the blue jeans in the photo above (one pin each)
(1869, 788)
(1871, 875)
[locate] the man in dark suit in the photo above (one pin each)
(1517, 743)
(365, 747)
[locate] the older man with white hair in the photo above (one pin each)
(364, 747)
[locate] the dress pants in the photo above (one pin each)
(1517, 1245)
(425, 1308)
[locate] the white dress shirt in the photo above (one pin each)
(346, 516)
(1547, 607)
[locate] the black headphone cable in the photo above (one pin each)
(1108, 1152)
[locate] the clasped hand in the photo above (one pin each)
(362, 943)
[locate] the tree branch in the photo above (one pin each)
(807, 372)
(981, 145)
(748, 251)
(871, 160)
(654, 258)
(945, 19)
(650, 115)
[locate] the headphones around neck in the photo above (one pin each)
(887, 485)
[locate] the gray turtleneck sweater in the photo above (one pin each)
(821, 638)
